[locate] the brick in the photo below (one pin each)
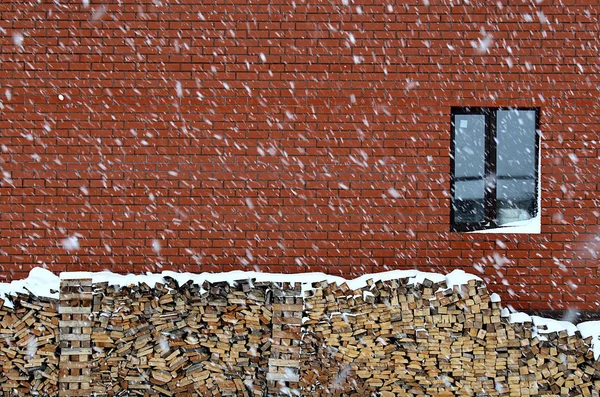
(327, 128)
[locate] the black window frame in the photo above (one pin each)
(490, 200)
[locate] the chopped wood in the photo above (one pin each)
(28, 346)
(389, 338)
(395, 339)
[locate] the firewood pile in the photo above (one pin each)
(394, 339)
(249, 338)
(28, 346)
(175, 340)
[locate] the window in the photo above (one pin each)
(494, 167)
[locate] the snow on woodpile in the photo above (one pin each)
(246, 333)
(435, 339)
(40, 282)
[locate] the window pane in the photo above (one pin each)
(469, 168)
(516, 165)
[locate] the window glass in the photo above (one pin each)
(515, 165)
(469, 168)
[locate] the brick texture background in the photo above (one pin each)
(265, 134)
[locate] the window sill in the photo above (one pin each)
(530, 226)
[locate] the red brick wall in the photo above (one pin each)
(281, 163)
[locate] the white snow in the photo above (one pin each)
(573, 157)
(456, 277)
(548, 325)
(459, 277)
(529, 226)
(41, 282)
(482, 45)
(70, 243)
(156, 246)
(351, 38)
(394, 193)
(544, 326)
(591, 328)
(519, 318)
(17, 39)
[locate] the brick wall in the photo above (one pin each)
(264, 135)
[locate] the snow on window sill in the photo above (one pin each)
(530, 226)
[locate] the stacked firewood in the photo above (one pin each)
(248, 338)
(395, 339)
(182, 339)
(28, 346)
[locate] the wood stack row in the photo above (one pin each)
(387, 339)
(395, 339)
(183, 340)
(28, 346)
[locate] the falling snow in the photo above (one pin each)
(70, 243)
(300, 137)
(156, 246)
(394, 193)
(18, 39)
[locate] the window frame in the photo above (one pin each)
(490, 200)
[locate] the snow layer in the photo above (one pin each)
(519, 318)
(42, 282)
(529, 226)
(456, 277)
(591, 328)
(547, 325)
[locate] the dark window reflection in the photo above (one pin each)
(469, 166)
(516, 168)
